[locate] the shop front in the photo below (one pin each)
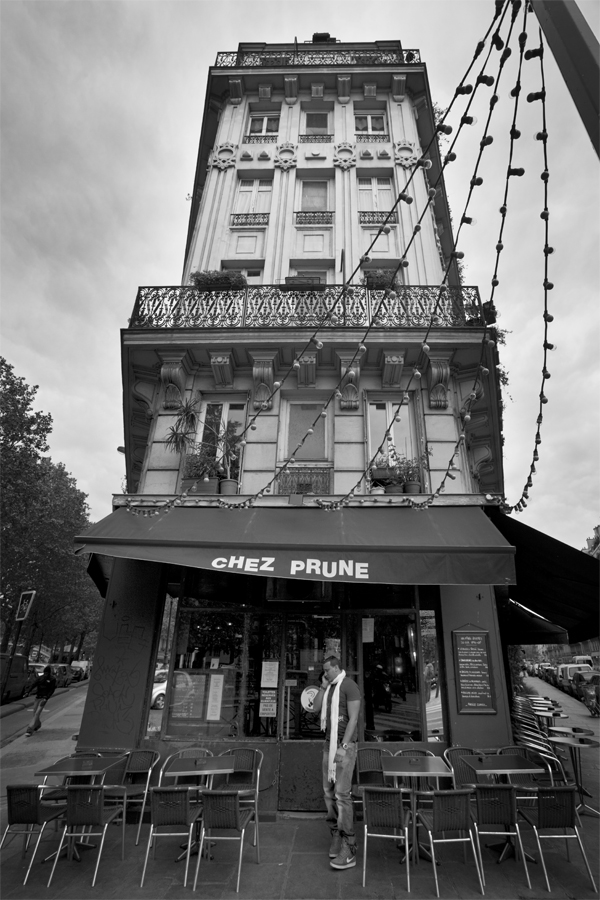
(240, 637)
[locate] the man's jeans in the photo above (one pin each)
(338, 796)
(37, 713)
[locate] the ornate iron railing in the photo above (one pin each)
(314, 217)
(250, 218)
(377, 218)
(260, 139)
(270, 306)
(315, 138)
(317, 57)
(379, 138)
(304, 480)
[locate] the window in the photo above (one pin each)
(252, 202)
(318, 276)
(301, 417)
(313, 196)
(381, 414)
(374, 194)
(253, 276)
(369, 123)
(264, 125)
(219, 418)
(316, 123)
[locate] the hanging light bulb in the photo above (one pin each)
(296, 364)
(318, 344)
(444, 129)
(276, 385)
(468, 120)
(468, 220)
(464, 89)
(425, 348)
(486, 141)
(476, 182)
(431, 193)
(450, 157)
(417, 228)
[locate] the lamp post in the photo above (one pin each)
(25, 603)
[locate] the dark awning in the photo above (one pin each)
(446, 545)
(554, 580)
(517, 626)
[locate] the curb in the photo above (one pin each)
(27, 702)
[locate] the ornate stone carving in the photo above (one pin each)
(263, 373)
(264, 91)
(398, 88)
(223, 156)
(222, 365)
(383, 154)
(350, 372)
(290, 83)
(246, 156)
(438, 376)
(369, 91)
(316, 90)
(405, 154)
(172, 376)
(366, 154)
(286, 155)
(392, 363)
(482, 458)
(344, 155)
(307, 373)
(343, 88)
(236, 91)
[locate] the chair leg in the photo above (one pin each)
(147, 854)
(406, 857)
(518, 832)
(476, 861)
(237, 888)
(478, 843)
(188, 852)
(99, 854)
(62, 839)
(6, 830)
(585, 859)
(200, 850)
(257, 838)
(137, 837)
(434, 863)
(542, 860)
(365, 856)
(35, 849)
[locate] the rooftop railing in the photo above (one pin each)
(290, 306)
(316, 57)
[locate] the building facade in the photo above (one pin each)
(348, 347)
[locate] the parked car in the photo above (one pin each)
(586, 688)
(63, 675)
(36, 670)
(76, 673)
(84, 666)
(17, 679)
(564, 677)
(158, 694)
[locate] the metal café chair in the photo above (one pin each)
(26, 809)
(368, 770)
(86, 809)
(133, 785)
(245, 778)
(384, 808)
(497, 815)
(165, 779)
(556, 808)
(223, 810)
(415, 783)
(450, 811)
(463, 775)
(170, 807)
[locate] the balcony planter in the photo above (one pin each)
(200, 485)
(377, 490)
(212, 280)
(228, 486)
(382, 473)
(394, 488)
(300, 284)
(412, 487)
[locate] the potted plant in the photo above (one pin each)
(386, 473)
(213, 280)
(181, 434)
(411, 470)
(217, 455)
(380, 279)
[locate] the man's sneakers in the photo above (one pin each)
(335, 847)
(346, 858)
(28, 733)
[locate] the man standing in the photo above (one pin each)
(45, 687)
(338, 702)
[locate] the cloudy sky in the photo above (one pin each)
(101, 114)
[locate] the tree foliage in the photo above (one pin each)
(42, 511)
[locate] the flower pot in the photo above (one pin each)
(228, 486)
(200, 486)
(377, 490)
(393, 488)
(380, 473)
(412, 487)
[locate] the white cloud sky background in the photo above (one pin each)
(101, 115)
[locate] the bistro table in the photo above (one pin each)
(504, 764)
(575, 743)
(551, 714)
(94, 767)
(416, 767)
(206, 767)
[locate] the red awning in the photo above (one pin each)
(445, 545)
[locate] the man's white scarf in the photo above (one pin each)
(333, 718)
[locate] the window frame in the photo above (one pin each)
(370, 116)
(320, 112)
(374, 191)
(254, 117)
(226, 400)
(304, 181)
(258, 188)
(391, 403)
(284, 448)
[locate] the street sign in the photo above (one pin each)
(25, 603)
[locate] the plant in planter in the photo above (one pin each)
(226, 280)
(411, 471)
(397, 473)
(182, 433)
(217, 455)
(381, 279)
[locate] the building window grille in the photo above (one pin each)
(243, 219)
(304, 480)
(316, 217)
(377, 218)
(315, 138)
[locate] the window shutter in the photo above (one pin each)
(263, 196)
(365, 195)
(314, 195)
(384, 194)
(244, 197)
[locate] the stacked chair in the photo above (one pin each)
(25, 812)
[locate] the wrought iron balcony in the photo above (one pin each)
(380, 138)
(260, 139)
(272, 306)
(304, 480)
(250, 218)
(315, 138)
(317, 57)
(314, 217)
(377, 218)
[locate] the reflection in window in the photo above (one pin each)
(431, 673)
(392, 701)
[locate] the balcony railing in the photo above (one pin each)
(315, 138)
(368, 138)
(377, 218)
(314, 217)
(317, 57)
(270, 306)
(260, 139)
(304, 480)
(250, 218)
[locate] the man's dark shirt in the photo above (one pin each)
(45, 687)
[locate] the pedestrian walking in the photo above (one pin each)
(338, 702)
(44, 688)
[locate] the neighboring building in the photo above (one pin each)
(593, 544)
(303, 152)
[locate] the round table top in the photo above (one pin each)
(573, 732)
(550, 714)
(573, 741)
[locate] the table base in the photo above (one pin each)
(506, 849)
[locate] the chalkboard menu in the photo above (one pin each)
(474, 683)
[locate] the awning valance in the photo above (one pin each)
(517, 626)
(446, 545)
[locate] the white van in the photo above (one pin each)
(583, 659)
(84, 665)
(564, 677)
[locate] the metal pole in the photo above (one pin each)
(577, 54)
(10, 658)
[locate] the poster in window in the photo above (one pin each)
(188, 693)
(268, 704)
(270, 673)
(474, 682)
(215, 698)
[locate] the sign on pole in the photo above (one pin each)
(25, 603)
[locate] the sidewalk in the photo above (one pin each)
(294, 863)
